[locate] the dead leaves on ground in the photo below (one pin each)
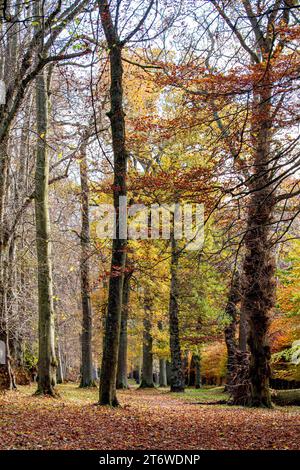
(147, 420)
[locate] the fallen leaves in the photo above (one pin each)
(148, 419)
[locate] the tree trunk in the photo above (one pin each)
(162, 373)
(122, 381)
(147, 366)
(286, 397)
(60, 374)
(234, 298)
(11, 306)
(7, 378)
(6, 374)
(47, 360)
(162, 363)
(197, 362)
(259, 285)
(168, 370)
(243, 332)
(137, 375)
(116, 115)
(86, 335)
(177, 377)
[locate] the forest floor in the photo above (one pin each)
(147, 419)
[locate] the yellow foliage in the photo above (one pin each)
(213, 362)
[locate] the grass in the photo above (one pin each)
(203, 395)
(71, 393)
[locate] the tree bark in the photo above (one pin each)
(168, 369)
(286, 397)
(47, 362)
(7, 378)
(234, 298)
(6, 374)
(162, 373)
(177, 381)
(116, 115)
(60, 374)
(243, 332)
(162, 363)
(259, 285)
(122, 382)
(87, 379)
(147, 366)
(197, 363)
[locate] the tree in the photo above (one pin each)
(162, 363)
(258, 269)
(197, 363)
(177, 377)
(117, 120)
(47, 362)
(87, 379)
(234, 298)
(147, 365)
(47, 358)
(122, 382)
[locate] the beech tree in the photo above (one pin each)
(122, 373)
(117, 119)
(177, 381)
(258, 270)
(47, 362)
(248, 106)
(147, 364)
(87, 379)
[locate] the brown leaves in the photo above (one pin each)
(147, 420)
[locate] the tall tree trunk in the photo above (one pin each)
(116, 115)
(7, 380)
(147, 366)
(21, 268)
(86, 335)
(8, 308)
(60, 374)
(163, 372)
(197, 363)
(47, 359)
(234, 298)
(259, 285)
(177, 381)
(162, 364)
(168, 369)
(122, 381)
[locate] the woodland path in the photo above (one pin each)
(150, 419)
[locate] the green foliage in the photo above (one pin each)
(287, 354)
(30, 359)
(286, 363)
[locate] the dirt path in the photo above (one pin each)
(146, 420)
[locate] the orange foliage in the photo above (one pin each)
(283, 331)
(214, 360)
